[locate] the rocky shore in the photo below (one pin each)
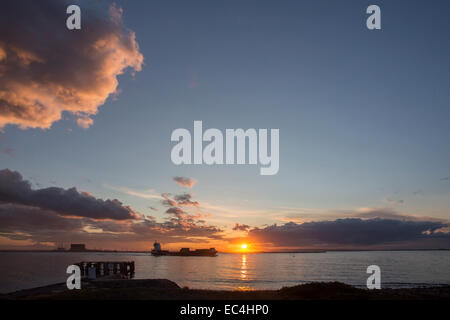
(163, 289)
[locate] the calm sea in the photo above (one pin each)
(240, 271)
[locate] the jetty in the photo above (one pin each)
(99, 269)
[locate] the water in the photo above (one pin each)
(239, 271)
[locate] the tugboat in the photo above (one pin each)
(184, 252)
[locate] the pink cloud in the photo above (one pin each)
(71, 71)
(185, 182)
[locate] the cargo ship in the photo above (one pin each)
(184, 252)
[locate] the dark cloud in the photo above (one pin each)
(185, 200)
(241, 227)
(167, 201)
(46, 69)
(185, 182)
(66, 215)
(24, 219)
(176, 230)
(182, 218)
(19, 222)
(175, 211)
(349, 232)
(445, 179)
(69, 202)
(178, 200)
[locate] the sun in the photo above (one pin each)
(244, 246)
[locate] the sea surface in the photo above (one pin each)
(21, 270)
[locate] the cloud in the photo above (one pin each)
(51, 215)
(179, 200)
(69, 202)
(185, 182)
(241, 227)
(300, 215)
(180, 216)
(72, 71)
(185, 200)
(351, 232)
(25, 223)
(445, 179)
(176, 230)
(22, 219)
(175, 211)
(382, 213)
(85, 122)
(146, 194)
(31, 217)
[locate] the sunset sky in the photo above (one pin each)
(86, 118)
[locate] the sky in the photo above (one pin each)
(362, 115)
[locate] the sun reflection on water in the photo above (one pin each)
(244, 267)
(244, 273)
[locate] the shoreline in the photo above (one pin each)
(164, 289)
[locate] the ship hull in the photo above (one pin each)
(184, 254)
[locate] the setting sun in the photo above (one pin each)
(243, 246)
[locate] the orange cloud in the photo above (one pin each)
(71, 71)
